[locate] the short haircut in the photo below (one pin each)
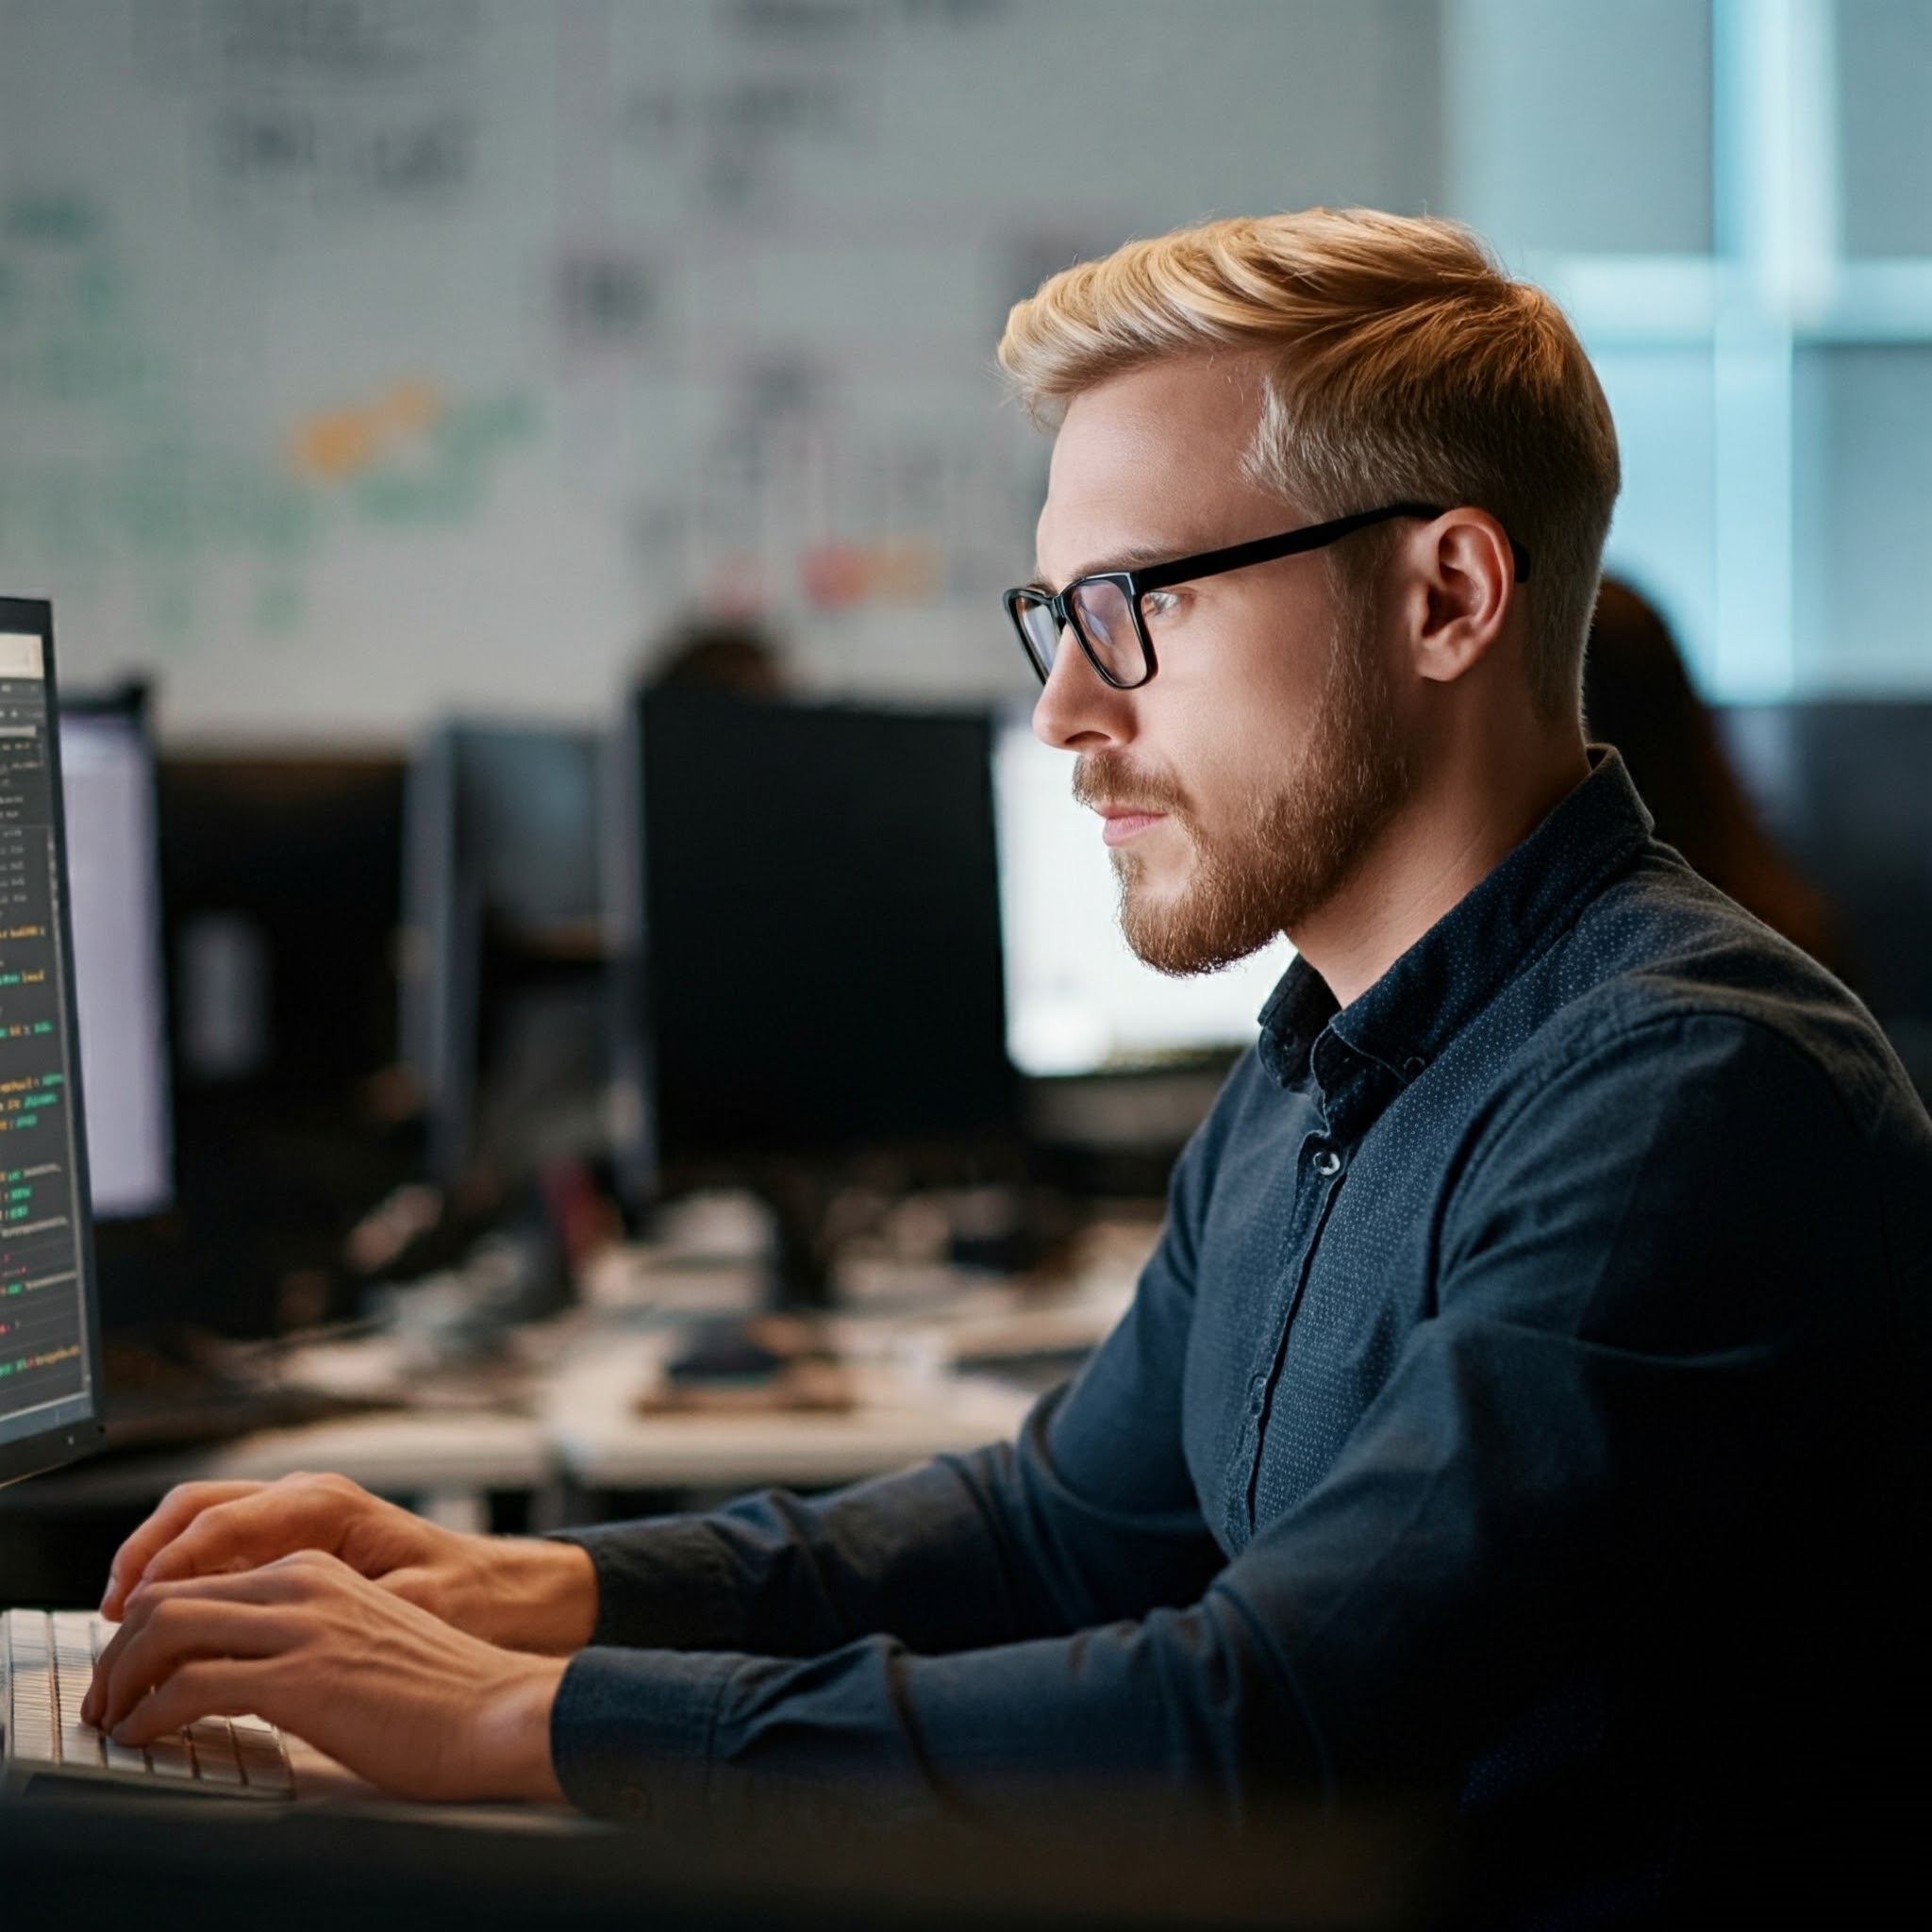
(1402, 364)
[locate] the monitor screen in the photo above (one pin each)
(820, 933)
(526, 799)
(49, 1324)
(1077, 999)
(500, 1024)
(282, 874)
(280, 879)
(107, 783)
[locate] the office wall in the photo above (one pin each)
(366, 359)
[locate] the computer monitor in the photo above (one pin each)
(107, 785)
(1845, 787)
(813, 970)
(1078, 1002)
(282, 874)
(50, 1383)
(503, 1016)
(280, 878)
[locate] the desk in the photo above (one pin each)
(587, 1435)
(566, 1425)
(162, 1862)
(902, 1417)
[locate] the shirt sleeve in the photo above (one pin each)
(1090, 1516)
(1636, 1333)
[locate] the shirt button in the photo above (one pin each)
(1327, 1161)
(635, 1801)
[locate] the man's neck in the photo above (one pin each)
(1448, 837)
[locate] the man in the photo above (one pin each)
(1510, 1405)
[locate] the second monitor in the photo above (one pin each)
(814, 933)
(107, 783)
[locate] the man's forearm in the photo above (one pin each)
(922, 1556)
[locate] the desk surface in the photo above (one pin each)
(901, 1417)
(165, 1863)
(569, 1411)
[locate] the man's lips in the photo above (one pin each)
(1119, 822)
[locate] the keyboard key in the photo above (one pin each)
(27, 1630)
(214, 1751)
(72, 1682)
(172, 1756)
(31, 1733)
(80, 1744)
(73, 1637)
(124, 1756)
(264, 1763)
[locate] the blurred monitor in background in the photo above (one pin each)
(108, 782)
(1846, 786)
(280, 879)
(812, 970)
(1078, 1000)
(503, 1011)
(1638, 695)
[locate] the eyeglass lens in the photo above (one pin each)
(1043, 632)
(1106, 620)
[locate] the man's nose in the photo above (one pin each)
(1077, 709)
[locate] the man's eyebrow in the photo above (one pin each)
(1135, 557)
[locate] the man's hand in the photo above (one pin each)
(384, 1688)
(513, 1591)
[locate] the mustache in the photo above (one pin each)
(1109, 778)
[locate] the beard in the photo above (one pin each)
(1291, 850)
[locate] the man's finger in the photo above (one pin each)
(207, 1686)
(191, 1623)
(284, 1581)
(267, 1523)
(177, 1510)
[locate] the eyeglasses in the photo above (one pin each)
(1105, 611)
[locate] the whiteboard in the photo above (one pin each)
(364, 361)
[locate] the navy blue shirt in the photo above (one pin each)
(1526, 1400)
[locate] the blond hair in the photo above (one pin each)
(1402, 364)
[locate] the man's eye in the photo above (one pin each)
(1159, 603)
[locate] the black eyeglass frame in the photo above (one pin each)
(1133, 584)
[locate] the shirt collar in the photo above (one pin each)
(1363, 1055)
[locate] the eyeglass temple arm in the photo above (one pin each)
(1266, 549)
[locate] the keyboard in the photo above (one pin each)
(46, 1664)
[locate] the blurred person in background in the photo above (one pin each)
(736, 656)
(1638, 695)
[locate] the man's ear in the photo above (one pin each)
(1461, 583)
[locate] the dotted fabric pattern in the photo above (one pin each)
(1343, 1141)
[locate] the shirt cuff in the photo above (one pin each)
(630, 1732)
(662, 1584)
